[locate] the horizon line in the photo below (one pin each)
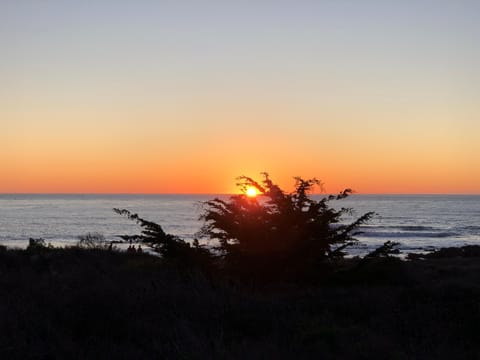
(190, 194)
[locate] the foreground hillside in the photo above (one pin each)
(80, 304)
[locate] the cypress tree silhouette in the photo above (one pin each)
(278, 232)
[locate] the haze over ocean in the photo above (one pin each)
(418, 222)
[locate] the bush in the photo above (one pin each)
(93, 241)
(278, 232)
(38, 245)
(171, 247)
(387, 249)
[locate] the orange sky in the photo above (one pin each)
(171, 99)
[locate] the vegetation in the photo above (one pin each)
(93, 241)
(37, 244)
(86, 302)
(278, 234)
(171, 247)
(97, 304)
(387, 249)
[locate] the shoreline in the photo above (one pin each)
(358, 250)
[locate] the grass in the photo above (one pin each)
(82, 304)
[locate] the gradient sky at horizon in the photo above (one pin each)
(183, 96)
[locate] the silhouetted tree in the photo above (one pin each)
(278, 231)
(171, 247)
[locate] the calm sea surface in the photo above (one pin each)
(417, 222)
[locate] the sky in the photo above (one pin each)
(115, 96)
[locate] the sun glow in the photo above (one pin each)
(251, 191)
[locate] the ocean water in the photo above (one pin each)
(417, 222)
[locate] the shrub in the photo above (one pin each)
(171, 247)
(387, 249)
(38, 244)
(92, 241)
(278, 231)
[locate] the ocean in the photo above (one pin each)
(417, 222)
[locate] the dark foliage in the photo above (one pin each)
(171, 247)
(93, 304)
(37, 244)
(449, 252)
(277, 235)
(93, 241)
(387, 249)
(282, 233)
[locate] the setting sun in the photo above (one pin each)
(251, 191)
